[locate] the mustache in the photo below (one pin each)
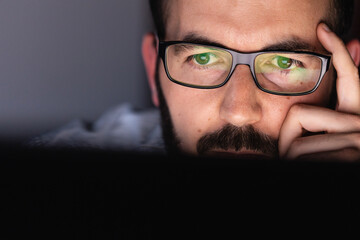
(233, 137)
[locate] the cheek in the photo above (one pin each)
(275, 108)
(192, 111)
(322, 96)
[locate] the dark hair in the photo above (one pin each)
(339, 19)
(341, 16)
(158, 11)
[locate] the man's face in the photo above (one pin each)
(245, 26)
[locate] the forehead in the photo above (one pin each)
(246, 25)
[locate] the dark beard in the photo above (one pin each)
(170, 139)
(229, 137)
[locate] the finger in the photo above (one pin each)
(314, 119)
(342, 155)
(335, 142)
(347, 85)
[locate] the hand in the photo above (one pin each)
(341, 127)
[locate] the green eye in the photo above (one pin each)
(284, 62)
(203, 58)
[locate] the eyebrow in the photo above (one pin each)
(293, 43)
(199, 39)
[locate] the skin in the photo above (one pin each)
(248, 26)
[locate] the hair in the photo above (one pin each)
(339, 18)
(158, 11)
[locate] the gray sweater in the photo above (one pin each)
(121, 129)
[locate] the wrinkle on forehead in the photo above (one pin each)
(246, 24)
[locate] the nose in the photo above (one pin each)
(240, 105)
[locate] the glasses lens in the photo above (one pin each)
(197, 65)
(287, 73)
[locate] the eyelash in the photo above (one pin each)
(298, 63)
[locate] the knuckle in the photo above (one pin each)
(295, 109)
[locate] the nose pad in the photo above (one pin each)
(240, 105)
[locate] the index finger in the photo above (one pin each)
(347, 83)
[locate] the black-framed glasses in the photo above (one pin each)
(291, 73)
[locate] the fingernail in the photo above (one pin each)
(326, 28)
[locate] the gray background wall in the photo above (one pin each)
(67, 59)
